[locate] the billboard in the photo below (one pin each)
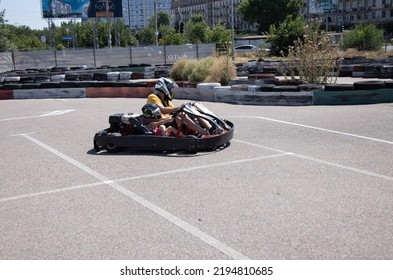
(81, 8)
(322, 6)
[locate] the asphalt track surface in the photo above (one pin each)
(312, 182)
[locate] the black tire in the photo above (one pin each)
(50, 85)
(311, 87)
(69, 84)
(369, 85)
(12, 86)
(389, 84)
(338, 87)
(285, 88)
(31, 86)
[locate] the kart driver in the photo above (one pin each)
(162, 97)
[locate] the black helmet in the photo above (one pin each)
(151, 111)
(165, 86)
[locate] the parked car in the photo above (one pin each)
(245, 48)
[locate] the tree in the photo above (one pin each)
(170, 37)
(23, 37)
(365, 37)
(163, 18)
(146, 36)
(268, 12)
(196, 29)
(219, 35)
(281, 38)
(5, 43)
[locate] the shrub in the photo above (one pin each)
(281, 38)
(365, 37)
(201, 70)
(313, 57)
(188, 68)
(222, 71)
(210, 69)
(178, 69)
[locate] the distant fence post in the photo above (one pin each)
(13, 59)
(94, 56)
(55, 53)
(164, 54)
(130, 54)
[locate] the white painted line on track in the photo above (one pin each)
(329, 130)
(22, 196)
(364, 172)
(161, 212)
(144, 176)
(319, 128)
(49, 114)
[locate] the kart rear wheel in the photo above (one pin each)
(112, 148)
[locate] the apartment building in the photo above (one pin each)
(350, 12)
(214, 11)
(136, 13)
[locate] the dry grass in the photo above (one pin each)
(368, 54)
(210, 69)
(241, 58)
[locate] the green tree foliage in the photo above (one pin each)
(365, 37)
(196, 29)
(170, 37)
(5, 43)
(83, 32)
(219, 35)
(268, 12)
(283, 36)
(163, 19)
(146, 36)
(23, 37)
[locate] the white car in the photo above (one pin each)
(245, 48)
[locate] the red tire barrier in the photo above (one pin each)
(6, 94)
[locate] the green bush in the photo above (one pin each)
(210, 69)
(221, 71)
(365, 37)
(201, 70)
(178, 69)
(188, 68)
(283, 37)
(313, 56)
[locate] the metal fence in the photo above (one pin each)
(20, 60)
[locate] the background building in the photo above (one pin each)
(214, 11)
(136, 13)
(350, 12)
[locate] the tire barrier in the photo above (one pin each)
(368, 85)
(257, 88)
(339, 87)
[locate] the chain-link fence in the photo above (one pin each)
(19, 60)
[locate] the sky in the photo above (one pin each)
(25, 12)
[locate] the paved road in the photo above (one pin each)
(312, 182)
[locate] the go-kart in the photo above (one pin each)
(128, 131)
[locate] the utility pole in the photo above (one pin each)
(155, 22)
(108, 25)
(232, 31)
